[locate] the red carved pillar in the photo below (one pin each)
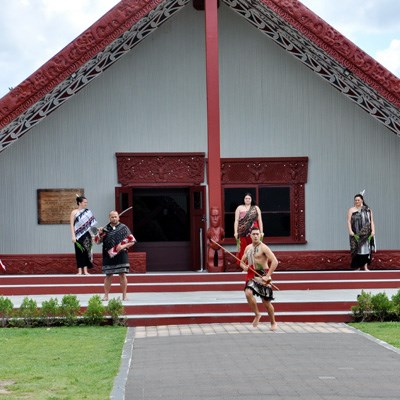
(213, 122)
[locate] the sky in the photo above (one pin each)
(33, 31)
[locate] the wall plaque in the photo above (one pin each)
(55, 205)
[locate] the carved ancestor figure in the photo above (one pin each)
(215, 255)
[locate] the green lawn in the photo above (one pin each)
(386, 331)
(59, 363)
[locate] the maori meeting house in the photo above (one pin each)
(169, 108)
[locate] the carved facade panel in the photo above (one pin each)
(328, 260)
(291, 170)
(44, 264)
(298, 219)
(156, 168)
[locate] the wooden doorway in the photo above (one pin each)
(168, 223)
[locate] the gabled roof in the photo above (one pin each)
(287, 22)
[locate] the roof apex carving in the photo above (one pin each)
(339, 47)
(20, 102)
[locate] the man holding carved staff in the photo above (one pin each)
(117, 239)
(255, 260)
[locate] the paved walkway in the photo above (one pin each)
(321, 361)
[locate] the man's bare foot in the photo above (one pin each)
(274, 326)
(86, 273)
(105, 298)
(125, 299)
(79, 273)
(256, 320)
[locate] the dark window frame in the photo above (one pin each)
(271, 172)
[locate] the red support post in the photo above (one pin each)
(213, 121)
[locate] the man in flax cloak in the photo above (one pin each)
(117, 239)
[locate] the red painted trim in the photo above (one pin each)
(213, 117)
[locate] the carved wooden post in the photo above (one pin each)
(215, 255)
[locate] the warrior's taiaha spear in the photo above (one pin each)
(123, 212)
(81, 248)
(248, 266)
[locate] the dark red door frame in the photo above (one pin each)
(213, 117)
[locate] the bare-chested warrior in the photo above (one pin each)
(259, 257)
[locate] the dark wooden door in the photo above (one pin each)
(168, 224)
(161, 221)
(197, 227)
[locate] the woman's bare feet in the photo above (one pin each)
(274, 326)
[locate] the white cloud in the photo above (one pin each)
(349, 16)
(390, 57)
(33, 31)
(372, 25)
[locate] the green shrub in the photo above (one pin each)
(50, 311)
(94, 314)
(6, 310)
(362, 312)
(115, 309)
(28, 312)
(70, 308)
(396, 305)
(381, 306)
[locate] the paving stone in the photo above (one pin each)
(232, 361)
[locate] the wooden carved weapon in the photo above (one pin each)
(240, 261)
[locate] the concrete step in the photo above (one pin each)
(176, 298)
(73, 284)
(179, 277)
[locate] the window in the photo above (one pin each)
(277, 187)
(274, 203)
